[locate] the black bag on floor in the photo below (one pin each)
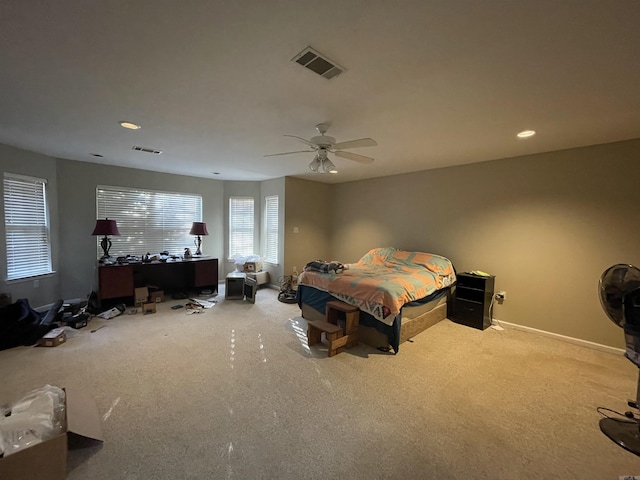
(22, 325)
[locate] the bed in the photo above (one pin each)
(399, 293)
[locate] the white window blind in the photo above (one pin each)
(240, 226)
(27, 227)
(148, 221)
(271, 229)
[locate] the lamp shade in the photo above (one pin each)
(328, 166)
(198, 228)
(315, 164)
(106, 227)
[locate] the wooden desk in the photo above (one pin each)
(116, 281)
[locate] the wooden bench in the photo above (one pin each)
(333, 333)
(349, 324)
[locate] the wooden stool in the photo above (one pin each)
(352, 317)
(333, 333)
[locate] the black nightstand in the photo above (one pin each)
(473, 299)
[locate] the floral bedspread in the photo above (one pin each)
(385, 279)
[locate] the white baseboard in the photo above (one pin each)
(564, 338)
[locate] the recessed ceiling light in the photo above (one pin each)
(129, 125)
(526, 133)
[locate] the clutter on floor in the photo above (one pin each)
(23, 325)
(198, 305)
(287, 293)
(55, 324)
(53, 338)
(112, 312)
(36, 417)
(34, 432)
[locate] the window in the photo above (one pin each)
(26, 223)
(271, 229)
(148, 221)
(240, 226)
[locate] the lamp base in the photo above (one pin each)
(624, 433)
(105, 243)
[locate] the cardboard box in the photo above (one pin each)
(48, 460)
(149, 308)
(53, 338)
(252, 266)
(141, 295)
(260, 277)
(157, 296)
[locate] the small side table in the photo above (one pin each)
(234, 289)
(239, 286)
(473, 300)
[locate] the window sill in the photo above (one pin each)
(29, 279)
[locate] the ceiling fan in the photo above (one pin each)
(323, 144)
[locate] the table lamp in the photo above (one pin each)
(105, 227)
(198, 228)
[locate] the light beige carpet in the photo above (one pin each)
(235, 393)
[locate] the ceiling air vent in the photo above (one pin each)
(318, 63)
(146, 150)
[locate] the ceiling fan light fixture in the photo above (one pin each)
(315, 164)
(328, 166)
(323, 144)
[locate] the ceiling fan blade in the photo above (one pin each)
(362, 142)
(354, 156)
(288, 153)
(303, 140)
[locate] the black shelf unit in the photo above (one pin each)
(473, 300)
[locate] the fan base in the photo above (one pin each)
(625, 434)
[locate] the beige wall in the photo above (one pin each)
(307, 209)
(546, 225)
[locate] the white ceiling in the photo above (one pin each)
(436, 83)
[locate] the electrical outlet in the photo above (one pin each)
(501, 296)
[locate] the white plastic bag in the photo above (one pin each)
(35, 417)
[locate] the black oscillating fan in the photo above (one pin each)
(620, 299)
